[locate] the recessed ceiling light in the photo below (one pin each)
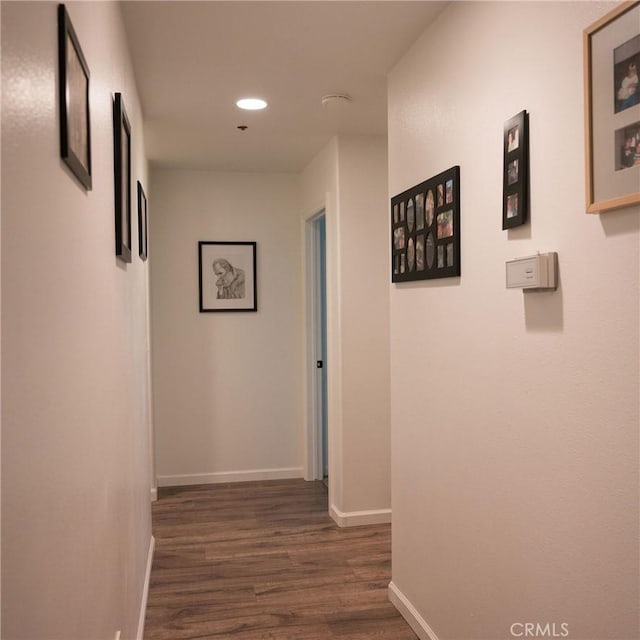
(252, 104)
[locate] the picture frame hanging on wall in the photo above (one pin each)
(73, 89)
(425, 229)
(612, 109)
(142, 223)
(515, 182)
(122, 178)
(227, 276)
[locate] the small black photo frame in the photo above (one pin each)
(425, 243)
(75, 129)
(122, 175)
(515, 183)
(142, 222)
(227, 276)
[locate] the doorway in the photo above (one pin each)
(318, 440)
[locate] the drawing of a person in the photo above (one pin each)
(230, 282)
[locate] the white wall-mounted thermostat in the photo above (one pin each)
(538, 273)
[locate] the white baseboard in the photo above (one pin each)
(154, 494)
(410, 614)
(145, 590)
(359, 518)
(230, 476)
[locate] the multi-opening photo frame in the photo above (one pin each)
(122, 174)
(515, 183)
(612, 109)
(425, 229)
(227, 276)
(75, 129)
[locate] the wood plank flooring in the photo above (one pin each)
(263, 561)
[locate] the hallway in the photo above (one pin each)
(497, 429)
(263, 560)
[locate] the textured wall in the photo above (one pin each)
(364, 310)
(514, 417)
(227, 386)
(348, 178)
(75, 484)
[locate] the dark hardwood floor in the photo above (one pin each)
(263, 561)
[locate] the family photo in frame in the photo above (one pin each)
(612, 109)
(515, 183)
(425, 229)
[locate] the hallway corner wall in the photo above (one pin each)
(76, 519)
(349, 178)
(364, 322)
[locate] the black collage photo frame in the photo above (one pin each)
(515, 181)
(425, 229)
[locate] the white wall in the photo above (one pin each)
(349, 178)
(318, 189)
(364, 310)
(229, 393)
(514, 417)
(227, 386)
(76, 523)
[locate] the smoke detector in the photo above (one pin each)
(336, 99)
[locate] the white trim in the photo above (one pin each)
(410, 614)
(313, 461)
(359, 518)
(218, 477)
(154, 494)
(145, 590)
(334, 338)
(307, 395)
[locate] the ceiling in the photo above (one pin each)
(193, 60)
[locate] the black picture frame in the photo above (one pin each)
(227, 276)
(73, 89)
(142, 223)
(515, 181)
(122, 178)
(425, 229)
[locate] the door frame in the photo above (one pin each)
(313, 462)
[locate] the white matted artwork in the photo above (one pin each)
(612, 109)
(227, 276)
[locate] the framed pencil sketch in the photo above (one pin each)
(612, 109)
(515, 181)
(425, 229)
(122, 175)
(75, 130)
(227, 276)
(142, 222)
